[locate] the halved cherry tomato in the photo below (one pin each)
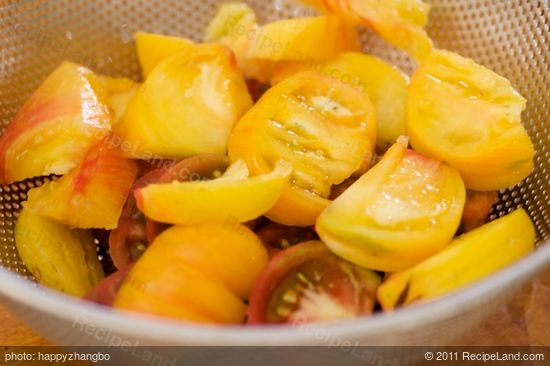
(277, 237)
(307, 283)
(129, 239)
(134, 232)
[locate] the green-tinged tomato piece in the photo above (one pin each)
(403, 210)
(59, 258)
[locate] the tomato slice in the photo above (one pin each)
(188, 105)
(129, 238)
(386, 86)
(307, 283)
(231, 196)
(134, 232)
(320, 125)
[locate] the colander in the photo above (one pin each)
(509, 36)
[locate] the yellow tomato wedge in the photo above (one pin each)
(470, 117)
(386, 86)
(152, 49)
(406, 208)
(59, 258)
(235, 25)
(233, 196)
(469, 258)
(260, 48)
(323, 127)
(304, 39)
(187, 106)
(399, 22)
(231, 21)
(196, 273)
(56, 126)
(92, 195)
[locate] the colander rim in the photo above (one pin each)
(166, 331)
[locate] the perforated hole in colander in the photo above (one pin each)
(511, 37)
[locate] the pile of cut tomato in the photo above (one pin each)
(274, 173)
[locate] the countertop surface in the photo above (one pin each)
(524, 321)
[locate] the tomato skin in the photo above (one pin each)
(68, 111)
(129, 233)
(260, 49)
(92, 195)
(131, 228)
(297, 207)
(350, 288)
(316, 38)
